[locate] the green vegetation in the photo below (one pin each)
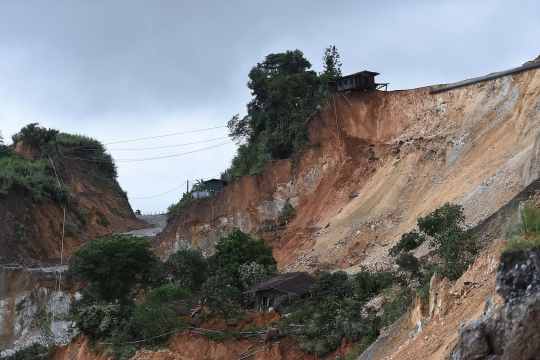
(454, 245)
(238, 248)
(59, 145)
(101, 219)
(286, 215)
(337, 305)
(32, 178)
(525, 234)
(173, 209)
(117, 270)
(34, 351)
(275, 126)
(187, 268)
(113, 268)
(221, 298)
(334, 310)
(36, 177)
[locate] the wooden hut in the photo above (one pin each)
(267, 292)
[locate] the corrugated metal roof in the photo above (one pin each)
(297, 283)
(361, 72)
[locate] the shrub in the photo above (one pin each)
(113, 267)
(409, 241)
(100, 320)
(35, 135)
(238, 248)
(151, 318)
(31, 178)
(34, 351)
(366, 283)
(520, 244)
(331, 286)
(286, 215)
(454, 244)
(6, 151)
(398, 304)
(221, 298)
(188, 268)
(410, 263)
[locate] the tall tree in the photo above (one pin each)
(238, 248)
(221, 297)
(113, 267)
(332, 65)
(274, 127)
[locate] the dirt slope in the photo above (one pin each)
(377, 162)
(31, 244)
(32, 232)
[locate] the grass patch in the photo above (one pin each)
(520, 244)
(70, 230)
(32, 352)
(286, 215)
(101, 219)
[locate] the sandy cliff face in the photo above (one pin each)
(377, 161)
(31, 245)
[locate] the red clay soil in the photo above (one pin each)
(33, 231)
(189, 346)
(376, 162)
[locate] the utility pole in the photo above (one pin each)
(187, 187)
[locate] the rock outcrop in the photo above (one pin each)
(512, 332)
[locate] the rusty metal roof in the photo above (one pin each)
(297, 283)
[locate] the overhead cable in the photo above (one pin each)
(160, 136)
(169, 156)
(144, 159)
(89, 147)
(166, 177)
(170, 146)
(150, 197)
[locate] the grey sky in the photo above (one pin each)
(118, 70)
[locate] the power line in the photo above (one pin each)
(144, 159)
(169, 156)
(160, 136)
(166, 177)
(150, 197)
(148, 148)
(170, 146)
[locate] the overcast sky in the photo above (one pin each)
(121, 70)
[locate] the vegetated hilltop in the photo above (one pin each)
(376, 162)
(44, 171)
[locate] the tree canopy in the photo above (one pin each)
(113, 267)
(238, 248)
(188, 268)
(275, 125)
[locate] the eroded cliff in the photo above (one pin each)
(376, 162)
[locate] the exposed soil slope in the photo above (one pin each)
(31, 245)
(33, 231)
(378, 161)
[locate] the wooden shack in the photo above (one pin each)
(267, 292)
(363, 80)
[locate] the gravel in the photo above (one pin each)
(159, 222)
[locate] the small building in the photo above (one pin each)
(214, 185)
(267, 292)
(210, 186)
(363, 80)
